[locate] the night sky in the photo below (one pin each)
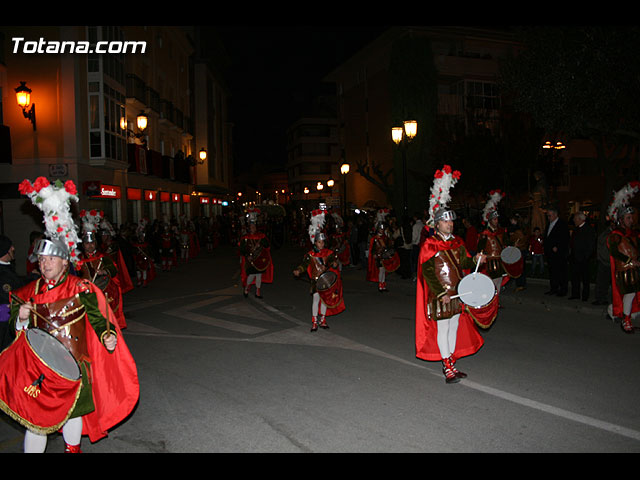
(274, 74)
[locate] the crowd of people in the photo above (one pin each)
(77, 275)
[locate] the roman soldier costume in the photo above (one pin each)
(340, 240)
(98, 267)
(445, 331)
(624, 247)
(383, 257)
(256, 265)
(492, 240)
(70, 315)
(321, 265)
(110, 247)
(145, 268)
(167, 248)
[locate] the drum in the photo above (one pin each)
(388, 253)
(476, 290)
(391, 263)
(326, 281)
(39, 381)
(513, 261)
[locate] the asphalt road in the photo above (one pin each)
(222, 373)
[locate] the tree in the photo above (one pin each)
(413, 93)
(582, 82)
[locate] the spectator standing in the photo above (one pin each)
(603, 273)
(583, 245)
(416, 231)
(556, 251)
(536, 249)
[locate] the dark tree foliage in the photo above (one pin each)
(582, 82)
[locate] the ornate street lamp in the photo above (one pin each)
(398, 135)
(23, 97)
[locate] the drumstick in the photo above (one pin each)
(478, 264)
(35, 312)
(460, 294)
(95, 274)
(108, 308)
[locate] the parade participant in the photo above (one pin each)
(110, 247)
(167, 250)
(340, 241)
(492, 240)
(98, 267)
(383, 257)
(9, 281)
(184, 240)
(321, 265)
(445, 330)
(624, 244)
(145, 269)
(32, 260)
(76, 313)
(256, 265)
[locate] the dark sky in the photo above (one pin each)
(274, 73)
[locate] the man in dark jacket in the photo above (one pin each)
(583, 244)
(556, 251)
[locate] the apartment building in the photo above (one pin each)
(141, 129)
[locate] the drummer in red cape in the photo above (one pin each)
(445, 331)
(624, 248)
(256, 266)
(98, 267)
(503, 261)
(382, 257)
(321, 264)
(77, 317)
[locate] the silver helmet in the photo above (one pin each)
(444, 213)
(89, 236)
(52, 247)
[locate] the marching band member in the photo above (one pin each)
(98, 267)
(110, 247)
(444, 330)
(624, 245)
(340, 241)
(382, 258)
(110, 386)
(321, 264)
(256, 265)
(145, 269)
(492, 240)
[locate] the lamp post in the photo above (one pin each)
(399, 135)
(344, 170)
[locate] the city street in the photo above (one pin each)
(223, 373)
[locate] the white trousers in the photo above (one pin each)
(318, 304)
(447, 335)
(71, 432)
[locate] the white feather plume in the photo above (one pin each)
(621, 198)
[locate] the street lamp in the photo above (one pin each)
(344, 170)
(23, 97)
(398, 135)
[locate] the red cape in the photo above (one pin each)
(616, 295)
(337, 287)
(372, 265)
(469, 339)
(115, 377)
(267, 275)
(114, 289)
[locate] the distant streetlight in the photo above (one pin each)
(344, 170)
(398, 135)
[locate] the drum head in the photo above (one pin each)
(476, 290)
(326, 280)
(510, 255)
(53, 353)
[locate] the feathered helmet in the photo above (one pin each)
(381, 219)
(252, 215)
(317, 223)
(107, 228)
(440, 196)
(620, 204)
(491, 207)
(90, 221)
(61, 236)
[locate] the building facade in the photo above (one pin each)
(86, 130)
